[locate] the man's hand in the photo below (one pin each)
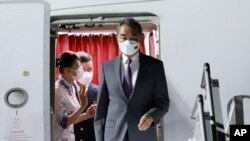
(145, 122)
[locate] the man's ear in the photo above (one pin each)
(116, 37)
(141, 36)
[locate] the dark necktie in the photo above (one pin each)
(127, 80)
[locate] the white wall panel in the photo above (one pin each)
(24, 59)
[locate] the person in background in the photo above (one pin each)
(84, 131)
(69, 105)
(133, 94)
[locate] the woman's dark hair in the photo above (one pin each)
(131, 23)
(66, 59)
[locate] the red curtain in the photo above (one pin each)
(151, 44)
(101, 47)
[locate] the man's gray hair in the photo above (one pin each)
(84, 57)
(131, 23)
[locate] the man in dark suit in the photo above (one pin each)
(84, 131)
(133, 94)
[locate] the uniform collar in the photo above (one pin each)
(65, 84)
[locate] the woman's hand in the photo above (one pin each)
(91, 111)
(83, 94)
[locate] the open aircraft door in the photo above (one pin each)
(25, 71)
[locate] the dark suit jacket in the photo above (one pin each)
(116, 114)
(84, 131)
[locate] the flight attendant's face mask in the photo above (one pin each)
(78, 73)
(129, 47)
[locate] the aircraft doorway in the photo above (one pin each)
(92, 33)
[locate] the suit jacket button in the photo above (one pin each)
(81, 128)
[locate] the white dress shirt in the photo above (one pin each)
(134, 65)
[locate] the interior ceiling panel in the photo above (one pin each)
(70, 4)
(99, 21)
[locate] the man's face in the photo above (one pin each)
(128, 33)
(87, 66)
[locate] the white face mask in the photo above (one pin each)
(129, 47)
(79, 73)
(86, 78)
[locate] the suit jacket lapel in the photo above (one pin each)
(117, 74)
(141, 72)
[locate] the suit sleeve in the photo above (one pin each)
(161, 99)
(101, 110)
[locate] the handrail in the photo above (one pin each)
(206, 84)
(235, 111)
(199, 107)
